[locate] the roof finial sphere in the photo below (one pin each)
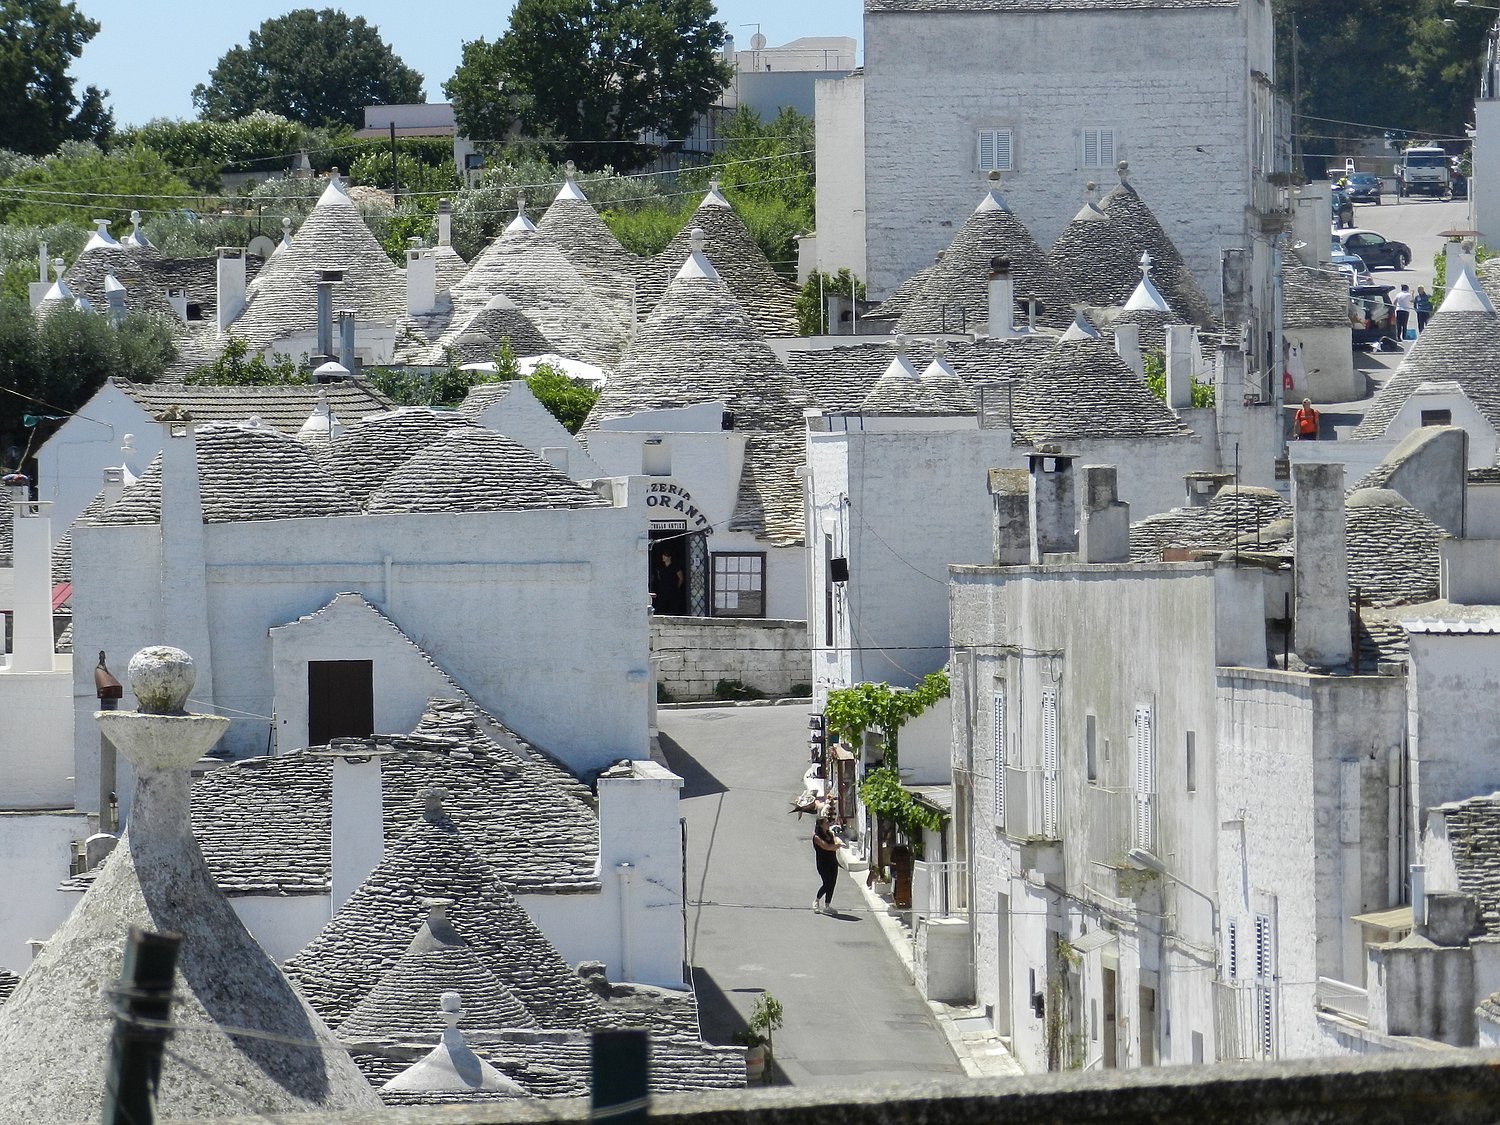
(162, 678)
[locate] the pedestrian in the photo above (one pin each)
(1403, 302)
(1307, 421)
(1423, 305)
(826, 851)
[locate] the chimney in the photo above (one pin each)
(231, 286)
(445, 223)
(346, 340)
(1128, 347)
(184, 551)
(114, 485)
(1312, 204)
(114, 297)
(358, 827)
(1012, 520)
(327, 279)
(31, 547)
(421, 281)
(1180, 347)
(997, 404)
(37, 290)
(1235, 274)
(1457, 253)
(1104, 523)
(1203, 486)
(177, 298)
(1320, 568)
(1002, 311)
(1053, 511)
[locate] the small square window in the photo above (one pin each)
(739, 584)
(1098, 148)
(996, 150)
(1437, 417)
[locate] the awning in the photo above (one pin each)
(60, 595)
(1094, 939)
(1396, 918)
(840, 754)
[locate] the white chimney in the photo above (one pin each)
(31, 547)
(37, 290)
(1002, 301)
(1457, 254)
(445, 223)
(1320, 566)
(1180, 347)
(358, 817)
(421, 282)
(231, 286)
(1128, 347)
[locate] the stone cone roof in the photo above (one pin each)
(500, 319)
(769, 299)
(54, 1030)
(573, 226)
(1084, 390)
(1459, 346)
(283, 299)
(8, 982)
(897, 303)
(132, 267)
(371, 931)
(898, 390)
(1101, 260)
(366, 454)
(959, 282)
(478, 470)
(1235, 515)
(407, 1000)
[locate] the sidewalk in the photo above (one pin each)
(979, 1050)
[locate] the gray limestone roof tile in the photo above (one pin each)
(1457, 346)
(479, 470)
(283, 300)
(769, 502)
(1038, 5)
(8, 982)
(1314, 298)
(1082, 389)
(283, 408)
(370, 931)
(475, 341)
(1101, 259)
(893, 306)
(1152, 323)
(265, 825)
(482, 396)
(574, 227)
(1234, 516)
(365, 456)
(1474, 839)
(929, 392)
(956, 295)
(257, 473)
(768, 298)
(86, 277)
(450, 267)
(1393, 549)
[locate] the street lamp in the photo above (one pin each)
(1142, 860)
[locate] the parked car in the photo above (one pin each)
(1363, 187)
(1343, 208)
(1375, 249)
(1372, 317)
(1351, 266)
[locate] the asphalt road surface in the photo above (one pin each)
(852, 1016)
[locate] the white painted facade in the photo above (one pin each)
(36, 851)
(840, 167)
(71, 463)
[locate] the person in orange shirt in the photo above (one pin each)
(1307, 421)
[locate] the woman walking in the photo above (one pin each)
(826, 851)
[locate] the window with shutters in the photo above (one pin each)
(1145, 777)
(1265, 996)
(996, 150)
(1098, 148)
(1000, 755)
(1050, 763)
(1232, 952)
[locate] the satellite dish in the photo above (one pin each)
(757, 42)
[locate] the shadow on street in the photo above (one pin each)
(696, 781)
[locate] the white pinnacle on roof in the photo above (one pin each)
(334, 193)
(452, 1067)
(939, 370)
(715, 197)
(112, 284)
(901, 365)
(328, 372)
(286, 235)
(1081, 329)
(520, 222)
(101, 238)
(321, 425)
(1465, 295)
(570, 188)
(60, 294)
(136, 237)
(1146, 297)
(1090, 212)
(697, 265)
(993, 200)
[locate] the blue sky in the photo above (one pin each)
(150, 54)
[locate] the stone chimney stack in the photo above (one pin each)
(1320, 570)
(114, 297)
(1457, 253)
(1002, 300)
(1311, 205)
(421, 281)
(184, 550)
(1104, 521)
(1180, 348)
(346, 341)
(31, 533)
(231, 286)
(445, 223)
(327, 279)
(358, 829)
(1128, 347)
(1012, 520)
(1053, 510)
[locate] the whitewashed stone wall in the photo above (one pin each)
(841, 175)
(692, 654)
(35, 852)
(933, 79)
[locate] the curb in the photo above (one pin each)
(700, 704)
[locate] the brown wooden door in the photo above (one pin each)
(340, 700)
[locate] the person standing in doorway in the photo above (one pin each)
(668, 584)
(1403, 302)
(1307, 421)
(1423, 306)
(826, 851)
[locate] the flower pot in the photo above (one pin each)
(755, 1063)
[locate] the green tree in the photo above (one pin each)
(599, 75)
(81, 182)
(237, 367)
(769, 160)
(202, 151)
(568, 400)
(487, 108)
(39, 39)
(812, 299)
(316, 67)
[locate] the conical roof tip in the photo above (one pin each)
(521, 221)
(1146, 297)
(334, 194)
(101, 238)
(570, 188)
(1081, 329)
(715, 197)
(1090, 212)
(1466, 295)
(697, 265)
(992, 201)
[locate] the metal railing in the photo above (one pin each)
(1344, 999)
(940, 890)
(1033, 803)
(1245, 1019)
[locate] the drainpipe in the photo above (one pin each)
(625, 872)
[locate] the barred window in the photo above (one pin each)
(739, 584)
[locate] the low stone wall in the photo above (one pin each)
(692, 654)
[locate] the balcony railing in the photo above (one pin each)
(1344, 999)
(1033, 803)
(940, 890)
(1245, 1019)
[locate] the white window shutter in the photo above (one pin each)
(1233, 952)
(1003, 150)
(1050, 763)
(1000, 756)
(1091, 148)
(1106, 148)
(1145, 776)
(986, 149)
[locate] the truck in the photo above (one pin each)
(1423, 170)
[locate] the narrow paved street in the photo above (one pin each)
(852, 1016)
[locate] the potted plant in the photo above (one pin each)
(765, 1020)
